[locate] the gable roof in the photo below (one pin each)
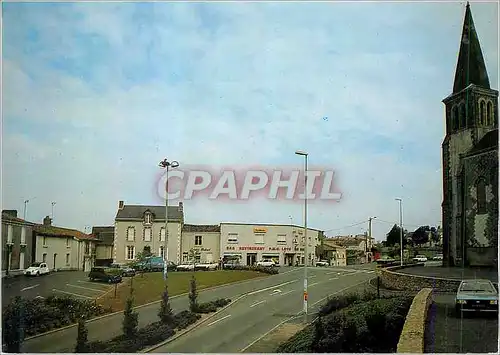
(52, 231)
(7, 217)
(201, 228)
(105, 234)
(136, 213)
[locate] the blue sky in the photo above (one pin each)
(96, 94)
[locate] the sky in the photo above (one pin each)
(96, 94)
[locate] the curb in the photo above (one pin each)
(196, 325)
(141, 306)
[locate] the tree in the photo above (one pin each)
(421, 235)
(319, 333)
(13, 326)
(394, 236)
(193, 295)
(165, 313)
(435, 235)
(130, 319)
(82, 337)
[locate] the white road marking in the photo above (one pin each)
(270, 288)
(311, 285)
(29, 288)
(255, 304)
(287, 292)
(72, 294)
(332, 272)
(312, 276)
(87, 288)
(342, 290)
(218, 320)
(275, 292)
(92, 283)
(333, 278)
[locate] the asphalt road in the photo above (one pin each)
(260, 311)
(105, 328)
(65, 283)
(447, 332)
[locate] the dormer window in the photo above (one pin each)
(147, 218)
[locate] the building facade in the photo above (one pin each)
(202, 242)
(17, 243)
(63, 248)
(141, 229)
(285, 244)
(470, 160)
(104, 245)
(335, 254)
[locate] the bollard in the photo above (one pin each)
(116, 287)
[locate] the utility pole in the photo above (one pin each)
(306, 258)
(401, 226)
(52, 215)
(369, 232)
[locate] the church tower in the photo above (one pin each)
(471, 118)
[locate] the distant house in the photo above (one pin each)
(205, 239)
(63, 248)
(104, 244)
(336, 255)
(17, 243)
(358, 247)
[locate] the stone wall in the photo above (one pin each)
(394, 280)
(412, 336)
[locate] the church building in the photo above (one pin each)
(470, 160)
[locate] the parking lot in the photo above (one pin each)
(447, 332)
(63, 283)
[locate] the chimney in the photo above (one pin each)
(47, 221)
(120, 205)
(181, 207)
(11, 213)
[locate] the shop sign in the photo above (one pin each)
(251, 248)
(260, 230)
(230, 248)
(205, 249)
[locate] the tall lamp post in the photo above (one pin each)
(305, 155)
(53, 203)
(401, 226)
(165, 164)
(369, 235)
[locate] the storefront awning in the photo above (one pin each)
(274, 255)
(232, 254)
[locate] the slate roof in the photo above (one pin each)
(7, 217)
(105, 235)
(201, 228)
(489, 141)
(136, 212)
(53, 231)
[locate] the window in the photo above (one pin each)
(281, 238)
(197, 240)
(482, 113)
(259, 238)
(454, 118)
(489, 113)
(160, 252)
(162, 234)
(481, 196)
(130, 252)
(23, 235)
(185, 256)
(44, 241)
(232, 238)
(130, 234)
(462, 116)
(9, 234)
(148, 218)
(44, 257)
(67, 259)
(87, 248)
(67, 242)
(147, 234)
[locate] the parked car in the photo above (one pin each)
(231, 264)
(476, 295)
(420, 259)
(110, 275)
(322, 263)
(126, 270)
(206, 266)
(154, 263)
(37, 269)
(266, 263)
(438, 257)
(185, 267)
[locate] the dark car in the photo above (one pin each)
(126, 270)
(110, 275)
(154, 263)
(476, 296)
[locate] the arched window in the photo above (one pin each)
(481, 196)
(462, 116)
(454, 118)
(489, 113)
(482, 113)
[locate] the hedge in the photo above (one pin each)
(353, 324)
(212, 306)
(263, 269)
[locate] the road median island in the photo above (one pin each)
(413, 333)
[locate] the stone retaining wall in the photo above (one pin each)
(407, 282)
(412, 336)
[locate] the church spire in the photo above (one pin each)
(470, 67)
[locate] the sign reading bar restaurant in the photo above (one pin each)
(251, 248)
(260, 230)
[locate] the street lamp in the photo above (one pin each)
(305, 155)
(165, 164)
(401, 226)
(53, 204)
(26, 206)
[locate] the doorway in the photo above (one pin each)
(251, 259)
(289, 259)
(55, 258)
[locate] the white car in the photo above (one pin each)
(420, 259)
(266, 263)
(37, 269)
(206, 266)
(185, 267)
(322, 263)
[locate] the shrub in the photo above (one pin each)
(185, 318)
(222, 302)
(165, 313)
(212, 306)
(130, 320)
(13, 327)
(193, 295)
(81, 339)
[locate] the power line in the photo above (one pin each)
(397, 223)
(352, 225)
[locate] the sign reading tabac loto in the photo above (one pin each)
(229, 183)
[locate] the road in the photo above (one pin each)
(260, 311)
(105, 328)
(64, 283)
(447, 332)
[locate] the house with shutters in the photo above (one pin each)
(141, 229)
(17, 243)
